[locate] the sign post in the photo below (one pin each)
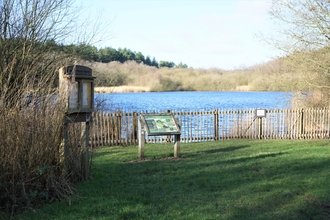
(76, 86)
(141, 137)
(157, 125)
(260, 113)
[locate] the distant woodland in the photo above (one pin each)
(109, 54)
(119, 67)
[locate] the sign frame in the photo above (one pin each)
(160, 124)
(147, 124)
(260, 113)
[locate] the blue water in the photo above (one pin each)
(190, 101)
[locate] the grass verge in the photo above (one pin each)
(237, 179)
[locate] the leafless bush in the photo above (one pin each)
(31, 112)
(31, 164)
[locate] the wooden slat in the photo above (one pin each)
(121, 127)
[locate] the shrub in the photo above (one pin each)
(167, 84)
(31, 153)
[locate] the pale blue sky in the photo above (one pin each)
(199, 33)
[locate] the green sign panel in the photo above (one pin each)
(163, 124)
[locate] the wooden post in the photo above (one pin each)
(177, 145)
(134, 133)
(65, 149)
(177, 138)
(141, 140)
(216, 124)
(302, 123)
(119, 114)
(259, 127)
(85, 146)
(169, 137)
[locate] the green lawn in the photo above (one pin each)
(236, 179)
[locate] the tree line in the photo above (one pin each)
(109, 54)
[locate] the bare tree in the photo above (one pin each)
(304, 36)
(30, 31)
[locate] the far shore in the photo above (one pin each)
(121, 89)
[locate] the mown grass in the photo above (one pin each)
(236, 179)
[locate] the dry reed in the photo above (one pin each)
(31, 154)
(133, 75)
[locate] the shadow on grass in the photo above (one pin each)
(101, 154)
(226, 149)
(174, 188)
(253, 184)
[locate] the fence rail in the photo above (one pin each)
(120, 128)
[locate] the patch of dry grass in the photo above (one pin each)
(32, 159)
(133, 77)
(120, 89)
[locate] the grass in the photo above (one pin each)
(236, 179)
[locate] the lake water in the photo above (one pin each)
(191, 101)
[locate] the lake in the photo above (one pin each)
(191, 101)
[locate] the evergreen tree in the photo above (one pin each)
(148, 61)
(154, 62)
(166, 64)
(139, 57)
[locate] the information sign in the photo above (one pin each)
(160, 124)
(260, 113)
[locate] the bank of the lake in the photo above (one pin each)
(120, 89)
(126, 88)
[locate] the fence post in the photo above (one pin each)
(119, 113)
(134, 133)
(302, 123)
(216, 124)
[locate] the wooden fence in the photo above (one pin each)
(120, 128)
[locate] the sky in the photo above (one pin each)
(200, 33)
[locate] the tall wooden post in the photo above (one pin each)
(169, 137)
(259, 127)
(177, 138)
(216, 124)
(65, 149)
(134, 132)
(119, 115)
(141, 140)
(302, 130)
(176, 145)
(85, 149)
(76, 88)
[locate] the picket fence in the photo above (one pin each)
(121, 128)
